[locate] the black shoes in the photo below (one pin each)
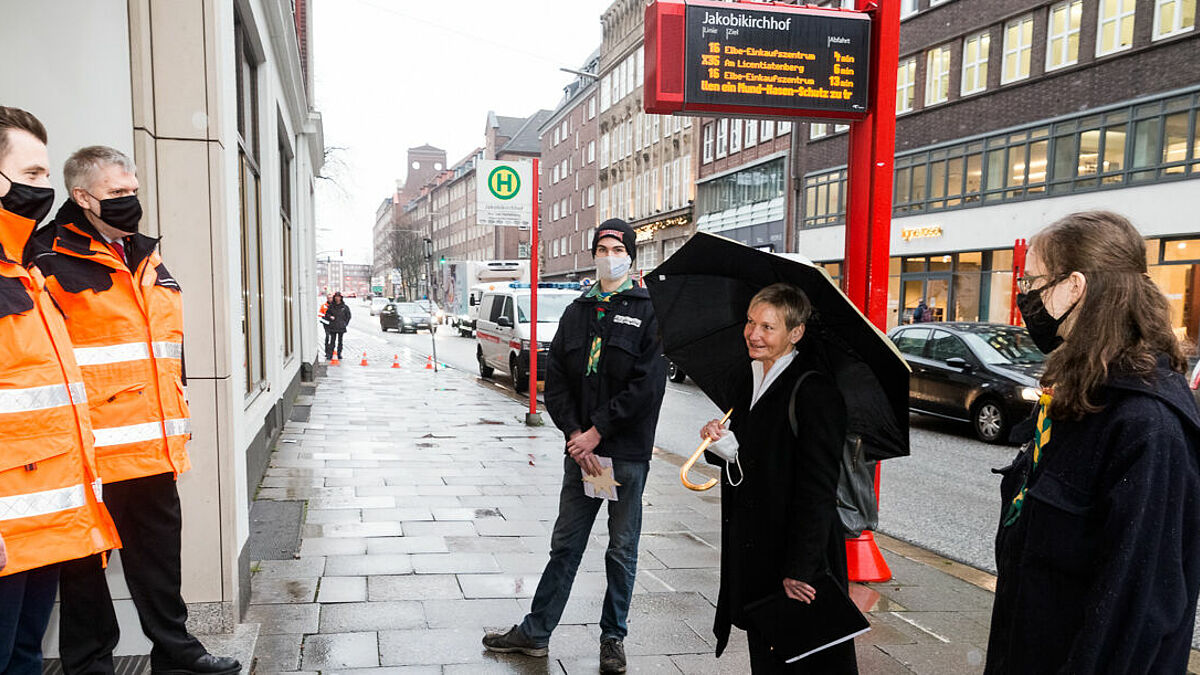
(612, 656)
(514, 641)
(207, 665)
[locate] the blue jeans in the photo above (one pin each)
(26, 600)
(576, 513)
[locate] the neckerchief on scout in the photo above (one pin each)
(1041, 436)
(602, 299)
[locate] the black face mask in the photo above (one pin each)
(28, 201)
(123, 213)
(1043, 327)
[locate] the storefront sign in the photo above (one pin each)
(927, 232)
(759, 60)
(646, 232)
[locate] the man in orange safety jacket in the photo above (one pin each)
(50, 498)
(124, 312)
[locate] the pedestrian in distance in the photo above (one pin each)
(124, 313)
(50, 508)
(337, 318)
(604, 386)
(779, 524)
(1098, 547)
(921, 313)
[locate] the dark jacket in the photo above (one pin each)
(339, 317)
(623, 398)
(1101, 571)
(781, 520)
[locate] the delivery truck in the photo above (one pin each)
(465, 282)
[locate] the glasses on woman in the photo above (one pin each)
(1025, 283)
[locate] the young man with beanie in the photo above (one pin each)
(604, 387)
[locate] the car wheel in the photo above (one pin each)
(520, 377)
(485, 370)
(675, 373)
(382, 327)
(989, 421)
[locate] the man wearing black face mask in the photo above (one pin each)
(50, 511)
(125, 316)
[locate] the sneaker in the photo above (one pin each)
(515, 641)
(612, 656)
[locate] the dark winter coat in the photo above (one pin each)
(781, 521)
(623, 398)
(1101, 571)
(339, 317)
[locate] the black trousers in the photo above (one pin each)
(333, 343)
(26, 600)
(146, 512)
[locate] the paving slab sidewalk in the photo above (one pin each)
(429, 507)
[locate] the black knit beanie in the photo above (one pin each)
(615, 227)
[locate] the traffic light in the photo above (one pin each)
(442, 261)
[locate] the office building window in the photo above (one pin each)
(1062, 38)
(906, 88)
(735, 136)
(766, 130)
(825, 199)
(722, 137)
(818, 130)
(907, 8)
(1115, 26)
(1018, 47)
(286, 244)
(1172, 17)
(592, 107)
(975, 62)
(751, 138)
(250, 212)
(591, 151)
(937, 75)
(708, 143)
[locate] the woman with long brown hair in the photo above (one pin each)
(1098, 548)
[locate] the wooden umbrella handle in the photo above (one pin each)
(687, 466)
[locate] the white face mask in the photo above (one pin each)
(613, 267)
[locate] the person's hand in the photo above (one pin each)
(580, 447)
(798, 590)
(713, 431)
(3, 554)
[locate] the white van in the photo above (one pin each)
(503, 325)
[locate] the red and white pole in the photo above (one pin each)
(869, 220)
(532, 417)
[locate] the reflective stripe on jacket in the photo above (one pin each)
(50, 508)
(126, 320)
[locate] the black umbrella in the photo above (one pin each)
(701, 294)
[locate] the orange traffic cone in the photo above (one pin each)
(428, 363)
(334, 361)
(396, 361)
(864, 562)
(364, 360)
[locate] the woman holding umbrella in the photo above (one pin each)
(1098, 547)
(780, 529)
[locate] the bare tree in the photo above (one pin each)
(407, 254)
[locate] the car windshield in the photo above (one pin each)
(410, 308)
(1006, 344)
(550, 307)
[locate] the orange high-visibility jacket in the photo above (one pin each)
(126, 321)
(50, 508)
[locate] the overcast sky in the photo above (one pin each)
(395, 74)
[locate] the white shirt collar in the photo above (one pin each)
(763, 382)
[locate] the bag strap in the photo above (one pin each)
(792, 403)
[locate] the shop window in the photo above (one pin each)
(1172, 17)
(1179, 250)
(1062, 39)
(1018, 47)
(1115, 26)
(975, 63)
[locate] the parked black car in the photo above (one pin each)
(404, 317)
(982, 373)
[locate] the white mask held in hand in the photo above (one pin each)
(612, 267)
(726, 448)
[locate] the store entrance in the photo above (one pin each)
(934, 289)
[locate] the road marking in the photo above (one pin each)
(918, 626)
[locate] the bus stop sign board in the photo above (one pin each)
(756, 60)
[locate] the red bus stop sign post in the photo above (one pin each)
(869, 221)
(533, 418)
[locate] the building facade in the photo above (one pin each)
(214, 103)
(646, 175)
(568, 181)
(1013, 113)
